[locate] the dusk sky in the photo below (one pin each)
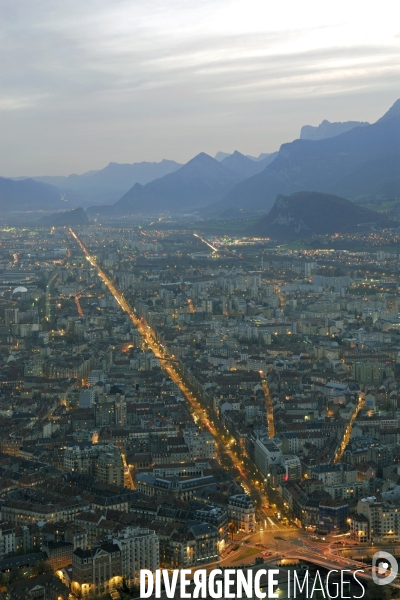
(87, 82)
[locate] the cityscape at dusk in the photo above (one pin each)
(211, 400)
(199, 300)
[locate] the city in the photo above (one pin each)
(171, 399)
(199, 300)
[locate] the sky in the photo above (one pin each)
(83, 83)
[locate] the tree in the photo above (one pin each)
(232, 529)
(14, 574)
(42, 567)
(124, 587)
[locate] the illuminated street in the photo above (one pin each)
(269, 408)
(197, 409)
(347, 433)
(213, 248)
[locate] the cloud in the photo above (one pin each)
(128, 80)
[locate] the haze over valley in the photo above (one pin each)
(355, 160)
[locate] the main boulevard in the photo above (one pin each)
(273, 541)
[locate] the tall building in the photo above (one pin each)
(80, 460)
(242, 512)
(7, 540)
(108, 466)
(371, 373)
(200, 443)
(102, 461)
(383, 520)
(266, 454)
(102, 570)
(120, 411)
(96, 571)
(197, 544)
(95, 376)
(104, 411)
(86, 398)
(139, 550)
(110, 410)
(307, 269)
(292, 465)
(332, 515)
(11, 316)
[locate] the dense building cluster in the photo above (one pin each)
(158, 388)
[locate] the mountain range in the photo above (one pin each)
(192, 187)
(362, 164)
(109, 184)
(27, 195)
(326, 129)
(106, 186)
(353, 160)
(304, 214)
(221, 155)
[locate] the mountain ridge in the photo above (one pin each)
(109, 184)
(304, 214)
(245, 165)
(327, 129)
(188, 189)
(28, 195)
(74, 217)
(331, 165)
